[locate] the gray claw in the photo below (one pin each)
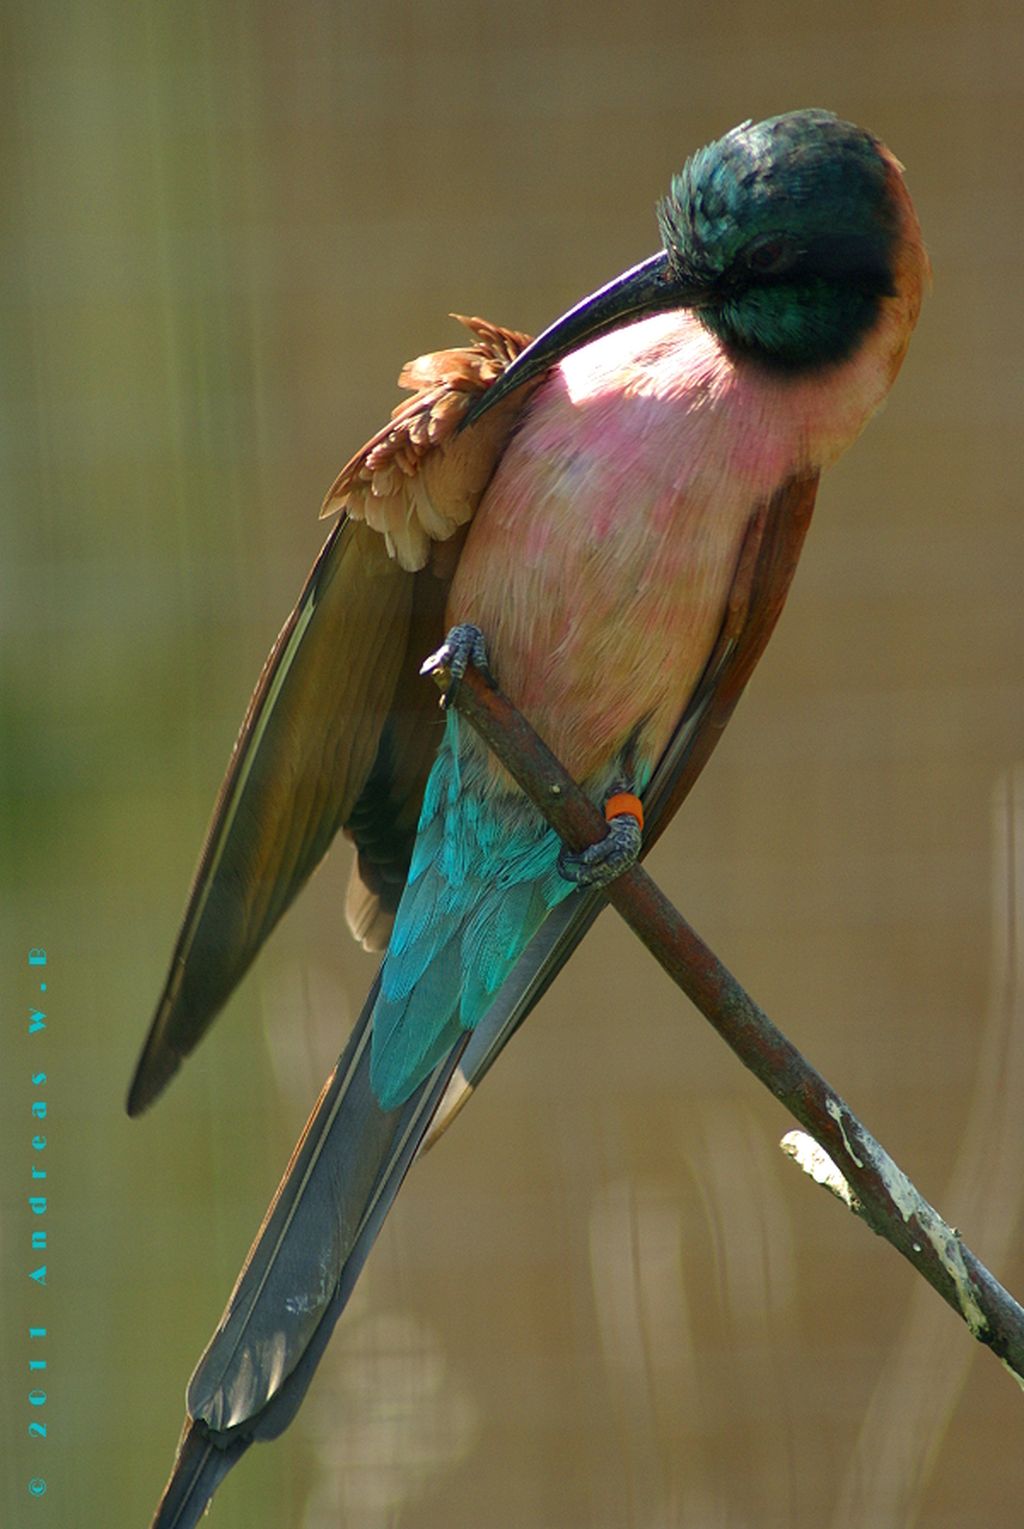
(463, 645)
(600, 863)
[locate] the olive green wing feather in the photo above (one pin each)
(341, 732)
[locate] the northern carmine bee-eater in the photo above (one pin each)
(617, 508)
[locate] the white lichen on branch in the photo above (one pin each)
(817, 1164)
(943, 1239)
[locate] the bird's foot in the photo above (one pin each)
(600, 863)
(464, 645)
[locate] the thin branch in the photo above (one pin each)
(848, 1160)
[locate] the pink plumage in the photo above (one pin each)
(601, 557)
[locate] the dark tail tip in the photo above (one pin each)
(155, 1069)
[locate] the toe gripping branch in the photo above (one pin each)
(464, 645)
(594, 864)
(601, 863)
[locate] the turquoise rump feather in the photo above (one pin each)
(483, 876)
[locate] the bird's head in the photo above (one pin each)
(783, 237)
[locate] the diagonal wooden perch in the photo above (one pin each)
(841, 1154)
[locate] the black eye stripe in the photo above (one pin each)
(856, 258)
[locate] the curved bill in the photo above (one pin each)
(650, 287)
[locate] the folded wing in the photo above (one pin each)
(341, 731)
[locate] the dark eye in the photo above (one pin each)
(772, 255)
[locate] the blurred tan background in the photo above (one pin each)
(605, 1299)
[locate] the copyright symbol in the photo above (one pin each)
(37, 1486)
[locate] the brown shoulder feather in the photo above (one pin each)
(417, 480)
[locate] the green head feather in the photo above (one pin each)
(790, 227)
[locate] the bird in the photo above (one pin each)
(606, 520)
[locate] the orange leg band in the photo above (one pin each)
(624, 803)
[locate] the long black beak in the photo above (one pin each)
(650, 287)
